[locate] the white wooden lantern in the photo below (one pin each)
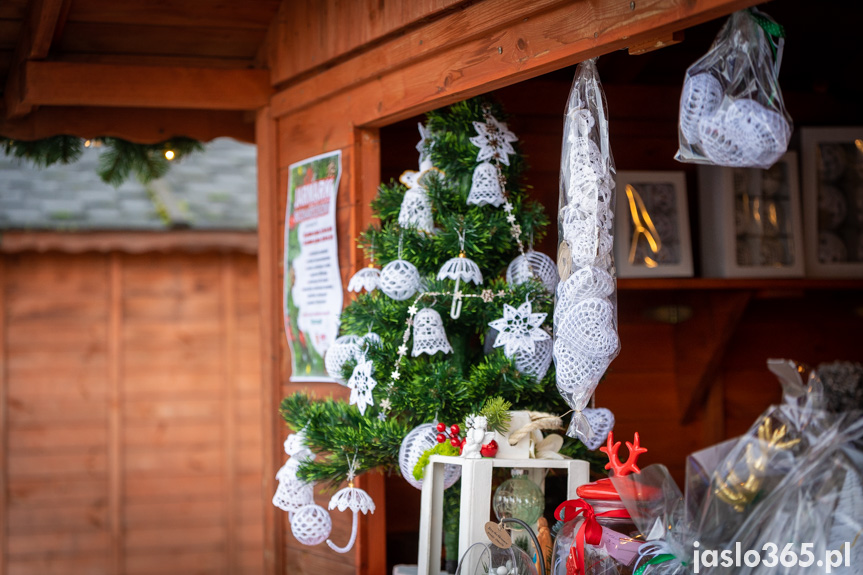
(475, 507)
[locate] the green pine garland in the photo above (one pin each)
(446, 387)
(117, 163)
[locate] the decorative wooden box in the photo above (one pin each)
(750, 221)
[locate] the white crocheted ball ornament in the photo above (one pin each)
(293, 494)
(416, 211)
(400, 279)
(368, 278)
(418, 441)
(311, 525)
(485, 186)
(343, 349)
(531, 265)
(762, 133)
(536, 363)
(429, 334)
(717, 143)
(601, 422)
(702, 94)
(588, 326)
(575, 372)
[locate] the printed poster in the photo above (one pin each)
(313, 286)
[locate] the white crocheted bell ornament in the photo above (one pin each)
(601, 421)
(416, 211)
(311, 525)
(576, 372)
(485, 186)
(531, 265)
(400, 279)
(702, 94)
(418, 441)
(368, 278)
(536, 363)
(343, 349)
(429, 334)
(293, 494)
(588, 326)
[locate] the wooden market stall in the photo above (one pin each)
(300, 78)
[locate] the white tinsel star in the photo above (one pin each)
(412, 310)
(402, 350)
(519, 329)
(494, 141)
(386, 404)
(507, 207)
(362, 384)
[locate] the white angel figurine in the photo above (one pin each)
(477, 436)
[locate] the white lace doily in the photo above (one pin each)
(400, 279)
(418, 441)
(702, 94)
(588, 326)
(416, 211)
(293, 494)
(368, 278)
(601, 422)
(485, 186)
(344, 348)
(461, 268)
(536, 363)
(362, 383)
(311, 525)
(429, 334)
(533, 264)
(585, 282)
(519, 329)
(575, 371)
(353, 498)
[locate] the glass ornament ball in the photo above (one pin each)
(519, 497)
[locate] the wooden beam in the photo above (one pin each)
(700, 345)
(393, 81)
(111, 85)
(129, 242)
(656, 43)
(146, 126)
(34, 44)
(271, 333)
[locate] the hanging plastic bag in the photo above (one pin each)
(585, 315)
(731, 110)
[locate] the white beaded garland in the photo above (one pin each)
(533, 264)
(311, 525)
(400, 279)
(417, 442)
(343, 349)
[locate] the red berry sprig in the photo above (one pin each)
(452, 433)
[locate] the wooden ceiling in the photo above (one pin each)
(199, 62)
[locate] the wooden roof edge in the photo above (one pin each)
(134, 242)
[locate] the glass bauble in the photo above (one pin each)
(519, 497)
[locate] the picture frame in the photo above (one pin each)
(750, 221)
(832, 160)
(658, 243)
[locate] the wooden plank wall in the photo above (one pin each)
(132, 392)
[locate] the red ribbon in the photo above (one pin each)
(590, 530)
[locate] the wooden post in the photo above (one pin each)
(4, 453)
(229, 328)
(271, 331)
(115, 406)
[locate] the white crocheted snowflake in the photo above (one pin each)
(362, 383)
(494, 141)
(519, 329)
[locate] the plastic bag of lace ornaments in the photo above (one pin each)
(731, 108)
(585, 316)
